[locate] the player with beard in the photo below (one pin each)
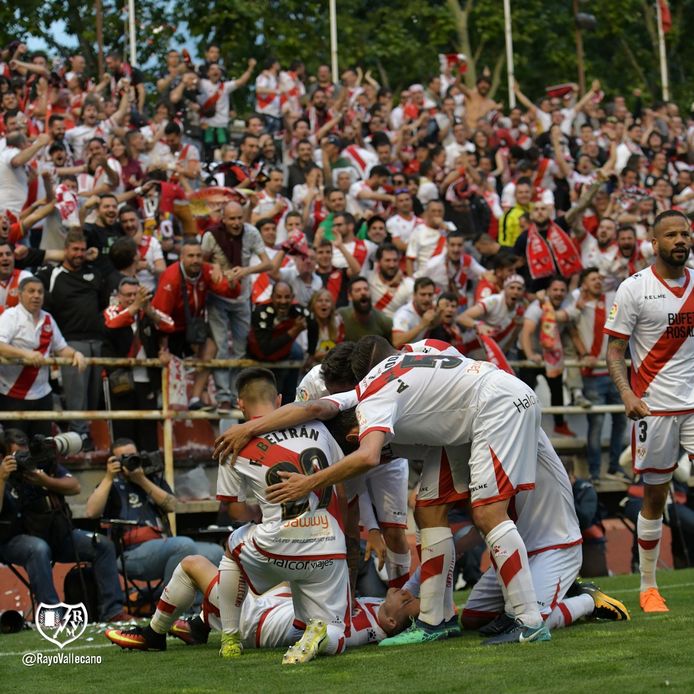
(361, 318)
(390, 288)
(653, 314)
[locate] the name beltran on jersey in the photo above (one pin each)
(291, 433)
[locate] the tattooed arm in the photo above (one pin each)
(616, 364)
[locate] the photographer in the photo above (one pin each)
(275, 328)
(130, 331)
(133, 489)
(39, 529)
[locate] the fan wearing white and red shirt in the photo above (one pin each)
(28, 332)
(361, 249)
(272, 204)
(267, 90)
(185, 158)
(370, 194)
(500, 316)
(390, 288)
(214, 94)
(653, 313)
(302, 543)
(10, 277)
(591, 345)
(412, 321)
(151, 261)
(91, 127)
(401, 225)
(451, 271)
(600, 250)
(428, 238)
(632, 256)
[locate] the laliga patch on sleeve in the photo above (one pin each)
(613, 311)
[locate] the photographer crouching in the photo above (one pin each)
(134, 489)
(35, 521)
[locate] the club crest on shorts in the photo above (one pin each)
(61, 623)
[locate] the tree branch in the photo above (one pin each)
(460, 18)
(496, 73)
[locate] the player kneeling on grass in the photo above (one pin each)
(546, 520)
(266, 621)
(300, 542)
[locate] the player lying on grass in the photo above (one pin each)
(267, 621)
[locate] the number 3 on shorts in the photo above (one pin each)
(643, 430)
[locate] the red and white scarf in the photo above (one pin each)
(542, 255)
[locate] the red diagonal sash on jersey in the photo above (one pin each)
(598, 336)
(261, 451)
(661, 352)
(384, 301)
(360, 252)
(440, 246)
(334, 284)
(540, 173)
(29, 373)
(12, 295)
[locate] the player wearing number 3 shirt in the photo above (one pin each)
(301, 542)
(653, 312)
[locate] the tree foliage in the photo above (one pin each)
(399, 40)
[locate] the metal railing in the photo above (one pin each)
(166, 414)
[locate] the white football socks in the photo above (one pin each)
(648, 533)
(438, 562)
(510, 560)
(177, 597)
(232, 591)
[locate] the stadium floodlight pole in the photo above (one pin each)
(131, 33)
(663, 54)
(333, 40)
(509, 53)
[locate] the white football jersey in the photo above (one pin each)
(312, 386)
(418, 398)
(657, 318)
(589, 330)
(499, 316)
(545, 516)
(386, 298)
(310, 527)
(401, 228)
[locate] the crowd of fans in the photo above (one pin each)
(159, 221)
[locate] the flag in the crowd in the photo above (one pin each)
(495, 354)
(455, 61)
(665, 15)
(559, 90)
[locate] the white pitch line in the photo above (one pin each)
(58, 650)
(663, 588)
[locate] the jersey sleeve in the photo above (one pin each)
(230, 484)
(400, 321)
(623, 314)
(377, 412)
(344, 401)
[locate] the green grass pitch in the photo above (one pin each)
(650, 653)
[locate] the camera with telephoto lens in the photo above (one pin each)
(150, 463)
(44, 451)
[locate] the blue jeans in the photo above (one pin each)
(225, 318)
(600, 390)
(35, 556)
(157, 559)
